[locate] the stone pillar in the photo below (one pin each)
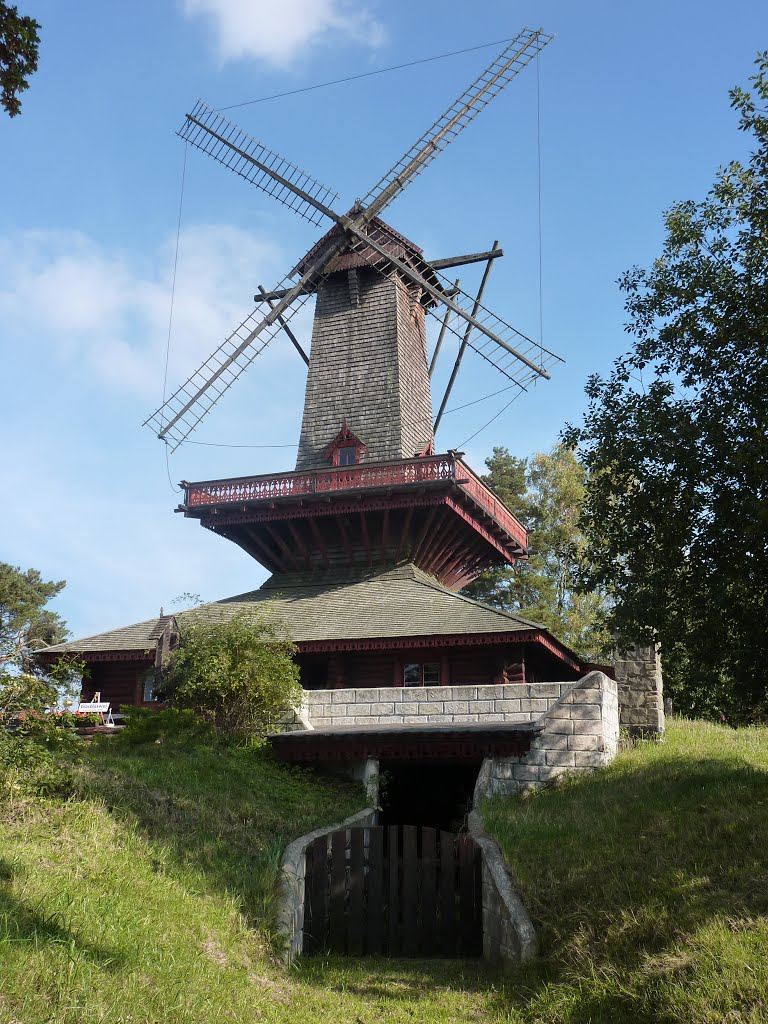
(641, 697)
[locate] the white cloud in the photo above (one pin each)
(281, 32)
(82, 346)
(110, 314)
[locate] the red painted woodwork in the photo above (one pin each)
(345, 439)
(427, 470)
(476, 640)
(408, 742)
(118, 683)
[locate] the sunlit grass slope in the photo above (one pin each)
(148, 897)
(648, 883)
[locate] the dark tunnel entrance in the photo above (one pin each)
(434, 793)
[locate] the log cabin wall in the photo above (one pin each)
(119, 682)
(457, 667)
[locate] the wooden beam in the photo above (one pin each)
(460, 261)
(435, 540)
(444, 550)
(441, 335)
(267, 557)
(366, 537)
(284, 324)
(464, 342)
(404, 531)
(275, 536)
(423, 534)
(299, 542)
(385, 535)
(342, 527)
(320, 543)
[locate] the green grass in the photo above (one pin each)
(648, 883)
(147, 897)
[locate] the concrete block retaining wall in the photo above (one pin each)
(579, 732)
(509, 937)
(418, 705)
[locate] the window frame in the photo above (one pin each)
(422, 667)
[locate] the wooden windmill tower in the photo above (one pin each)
(368, 488)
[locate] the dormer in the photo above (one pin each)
(346, 449)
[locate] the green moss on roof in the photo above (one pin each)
(337, 605)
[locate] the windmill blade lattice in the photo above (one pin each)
(486, 87)
(220, 138)
(513, 353)
(518, 357)
(516, 366)
(182, 412)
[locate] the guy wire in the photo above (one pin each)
(365, 74)
(173, 297)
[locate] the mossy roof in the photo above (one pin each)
(342, 605)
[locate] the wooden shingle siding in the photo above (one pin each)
(367, 366)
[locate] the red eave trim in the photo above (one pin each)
(401, 643)
(127, 655)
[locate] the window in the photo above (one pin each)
(347, 456)
(422, 674)
(149, 686)
(346, 449)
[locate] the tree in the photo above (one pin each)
(25, 623)
(19, 43)
(237, 672)
(25, 626)
(675, 441)
(546, 494)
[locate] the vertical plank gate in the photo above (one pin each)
(398, 891)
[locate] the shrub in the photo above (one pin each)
(37, 757)
(20, 693)
(237, 673)
(172, 726)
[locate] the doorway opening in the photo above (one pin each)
(433, 793)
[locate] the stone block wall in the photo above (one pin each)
(419, 705)
(580, 732)
(641, 695)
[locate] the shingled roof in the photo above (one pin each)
(398, 602)
(343, 605)
(140, 637)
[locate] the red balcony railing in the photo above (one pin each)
(430, 469)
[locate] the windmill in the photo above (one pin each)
(357, 240)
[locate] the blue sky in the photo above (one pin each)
(634, 115)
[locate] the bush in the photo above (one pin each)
(20, 693)
(37, 758)
(237, 673)
(172, 726)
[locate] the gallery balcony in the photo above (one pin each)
(430, 510)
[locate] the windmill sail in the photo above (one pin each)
(519, 358)
(513, 353)
(486, 87)
(179, 416)
(220, 138)
(516, 356)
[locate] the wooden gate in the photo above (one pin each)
(399, 891)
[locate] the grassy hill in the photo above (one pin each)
(147, 896)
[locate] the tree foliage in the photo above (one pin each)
(237, 672)
(546, 494)
(675, 441)
(25, 623)
(19, 43)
